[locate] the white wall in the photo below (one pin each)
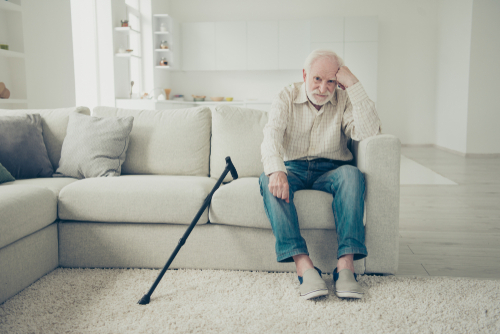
(483, 119)
(453, 58)
(407, 56)
(49, 53)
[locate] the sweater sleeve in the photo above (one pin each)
(360, 118)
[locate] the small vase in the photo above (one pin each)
(163, 62)
(164, 45)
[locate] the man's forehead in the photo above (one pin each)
(327, 76)
(324, 69)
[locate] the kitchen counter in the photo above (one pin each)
(174, 104)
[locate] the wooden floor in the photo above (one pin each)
(451, 230)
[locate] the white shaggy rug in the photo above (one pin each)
(219, 301)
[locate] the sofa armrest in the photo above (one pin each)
(378, 158)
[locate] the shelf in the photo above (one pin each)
(126, 55)
(9, 101)
(162, 50)
(163, 67)
(162, 32)
(5, 5)
(12, 54)
(127, 30)
(160, 15)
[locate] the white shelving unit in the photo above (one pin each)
(163, 21)
(128, 66)
(12, 61)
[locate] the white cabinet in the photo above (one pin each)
(362, 60)
(294, 44)
(262, 45)
(361, 51)
(231, 45)
(198, 46)
(328, 33)
(361, 29)
(12, 61)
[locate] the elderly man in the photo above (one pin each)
(305, 147)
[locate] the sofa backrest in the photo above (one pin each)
(166, 142)
(237, 132)
(54, 124)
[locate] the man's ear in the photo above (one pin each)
(304, 74)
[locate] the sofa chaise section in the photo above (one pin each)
(28, 237)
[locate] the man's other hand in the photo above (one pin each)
(278, 185)
(345, 78)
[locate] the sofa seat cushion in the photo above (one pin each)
(136, 199)
(23, 210)
(54, 184)
(240, 203)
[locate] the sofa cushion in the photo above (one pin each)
(238, 133)
(54, 124)
(94, 146)
(168, 142)
(136, 199)
(54, 184)
(24, 210)
(240, 203)
(5, 175)
(22, 150)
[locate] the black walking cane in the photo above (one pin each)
(229, 168)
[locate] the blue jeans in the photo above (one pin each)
(347, 185)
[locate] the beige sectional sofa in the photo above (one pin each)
(173, 160)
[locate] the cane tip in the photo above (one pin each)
(144, 300)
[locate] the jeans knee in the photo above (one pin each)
(353, 177)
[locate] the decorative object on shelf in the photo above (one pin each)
(163, 45)
(178, 98)
(163, 62)
(4, 46)
(129, 50)
(131, 85)
(4, 92)
(167, 93)
(218, 98)
(124, 23)
(161, 97)
(198, 98)
(144, 96)
(229, 99)
(162, 27)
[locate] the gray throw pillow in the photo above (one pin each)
(94, 146)
(5, 176)
(22, 149)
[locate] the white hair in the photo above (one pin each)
(321, 53)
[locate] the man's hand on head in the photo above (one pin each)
(278, 185)
(345, 78)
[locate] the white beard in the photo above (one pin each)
(313, 99)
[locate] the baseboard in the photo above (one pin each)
(462, 154)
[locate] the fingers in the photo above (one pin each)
(278, 186)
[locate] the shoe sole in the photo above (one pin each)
(349, 294)
(314, 294)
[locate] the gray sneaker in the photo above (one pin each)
(312, 285)
(346, 284)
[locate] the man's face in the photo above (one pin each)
(321, 80)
